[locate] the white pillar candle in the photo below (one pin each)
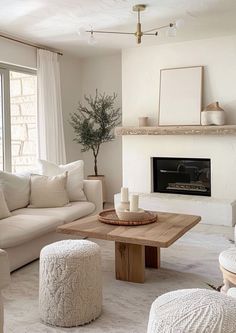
(124, 194)
(134, 203)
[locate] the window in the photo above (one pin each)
(18, 116)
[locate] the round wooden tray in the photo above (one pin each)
(109, 216)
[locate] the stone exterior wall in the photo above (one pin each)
(23, 91)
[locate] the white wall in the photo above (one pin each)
(17, 54)
(104, 73)
(140, 92)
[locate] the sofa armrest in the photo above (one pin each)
(4, 269)
(93, 192)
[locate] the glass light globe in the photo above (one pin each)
(81, 32)
(179, 23)
(171, 31)
(92, 40)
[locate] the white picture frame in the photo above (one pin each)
(180, 98)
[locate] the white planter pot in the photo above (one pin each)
(102, 178)
(213, 117)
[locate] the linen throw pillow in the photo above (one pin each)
(4, 211)
(75, 177)
(16, 189)
(48, 192)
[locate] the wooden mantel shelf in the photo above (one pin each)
(177, 130)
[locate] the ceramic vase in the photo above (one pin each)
(213, 115)
(143, 121)
(213, 118)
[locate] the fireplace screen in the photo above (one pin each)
(182, 175)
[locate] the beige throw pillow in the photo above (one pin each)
(47, 192)
(75, 176)
(4, 211)
(16, 189)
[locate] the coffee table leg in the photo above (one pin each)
(152, 257)
(130, 262)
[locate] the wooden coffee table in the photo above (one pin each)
(135, 246)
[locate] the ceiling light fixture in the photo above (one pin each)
(92, 39)
(172, 27)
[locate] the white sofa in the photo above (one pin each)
(27, 230)
(4, 281)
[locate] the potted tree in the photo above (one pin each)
(93, 124)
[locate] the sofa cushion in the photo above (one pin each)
(4, 211)
(72, 212)
(75, 177)
(16, 230)
(16, 189)
(48, 191)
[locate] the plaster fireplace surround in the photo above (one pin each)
(218, 209)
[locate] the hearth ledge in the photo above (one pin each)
(212, 210)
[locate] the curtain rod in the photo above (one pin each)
(29, 44)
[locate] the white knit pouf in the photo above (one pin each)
(227, 259)
(70, 287)
(232, 292)
(193, 311)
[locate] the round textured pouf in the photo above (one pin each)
(70, 287)
(232, 292)
(227, 261)
(193, 311)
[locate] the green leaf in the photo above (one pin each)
(94, 121)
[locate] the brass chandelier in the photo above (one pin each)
(138, 33)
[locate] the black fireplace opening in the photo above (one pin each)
(181, 175)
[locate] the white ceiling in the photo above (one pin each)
(55, 23)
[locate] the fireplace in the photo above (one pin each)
(181, 175)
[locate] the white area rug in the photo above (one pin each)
(190, 263)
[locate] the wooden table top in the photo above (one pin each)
(168, 228)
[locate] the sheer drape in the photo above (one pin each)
(50, 120)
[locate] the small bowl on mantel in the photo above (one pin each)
(126, 215)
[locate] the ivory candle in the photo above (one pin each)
(124, 194)
(134, 199)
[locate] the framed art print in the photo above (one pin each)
(180, 101)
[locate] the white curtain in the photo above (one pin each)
(50, 120)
